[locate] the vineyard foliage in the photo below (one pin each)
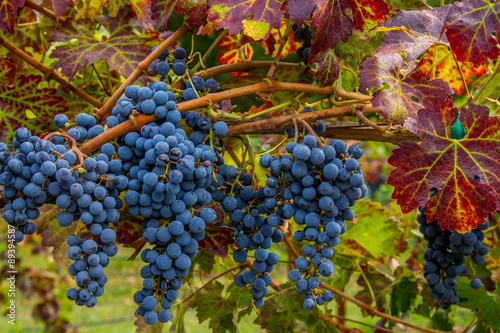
(415, 83)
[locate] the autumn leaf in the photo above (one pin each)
(255, 18)
(368, 13)
(123, 47)
(8, 13)
(60, 7)
(406, 93)
(300, 10)
(449, 166)
(217, 239)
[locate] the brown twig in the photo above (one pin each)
(310, 129)
(270, 73)
(366, 121)
(296, 128)
(103, 112)
(49, 72)
(342, 318)
(338, 325)
(44, 11)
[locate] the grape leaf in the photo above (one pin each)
(375, 232)
(129, 232)
(447, 68)
(60, 7)
(271, 48)
(372, 281)
(486, 305)
(8, 12)
(407, 93)
(53, 234)
(449, 166)
(300, 10)
(403, 295)
(22, 103)
(473, 31)
(425, 26)
(254, 17)
(231, 46)
(26, 32)
(333, 24)
(289, 74)
(197, 16)
(327, 67)
(142, 327)
(368, 13)
(217, 239)
(123, 47)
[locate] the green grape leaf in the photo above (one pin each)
(300, 10)
(377, 282)
(285, 313)
(8, 13)
(406, 93)
(123, 47)
(375, 230)
(403, 295)
(449, 166)
(486, 305)
(218, 307)
(254, 17)
(22, 103)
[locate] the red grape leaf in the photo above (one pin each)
(197, 16)
(24, 104)
(129, 232)
(406, 94)
(123, 47)
(8, 13)
(447, 69)
(255, 17)
(217, 239)
(300, 10)
(449, 166)
(425, 26)
(60, 7)
(143, 327)
(333, 24)
(271, 48)
(368, 13)
(474, 30)
(327, 66)
(219, 213)
(232, 45)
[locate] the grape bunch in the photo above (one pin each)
(304, 35)
(445, 257)
(320, 187)
(254, 217)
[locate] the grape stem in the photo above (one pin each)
(310, 129)
(283, 40)
(74, 147)
(366, 121)
(104, 111)
(50, 73)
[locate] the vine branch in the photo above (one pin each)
(50, 73)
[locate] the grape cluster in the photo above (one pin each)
(304, 35)
(445, 257)
(320, 187)
(89, 260)
(254, 217)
